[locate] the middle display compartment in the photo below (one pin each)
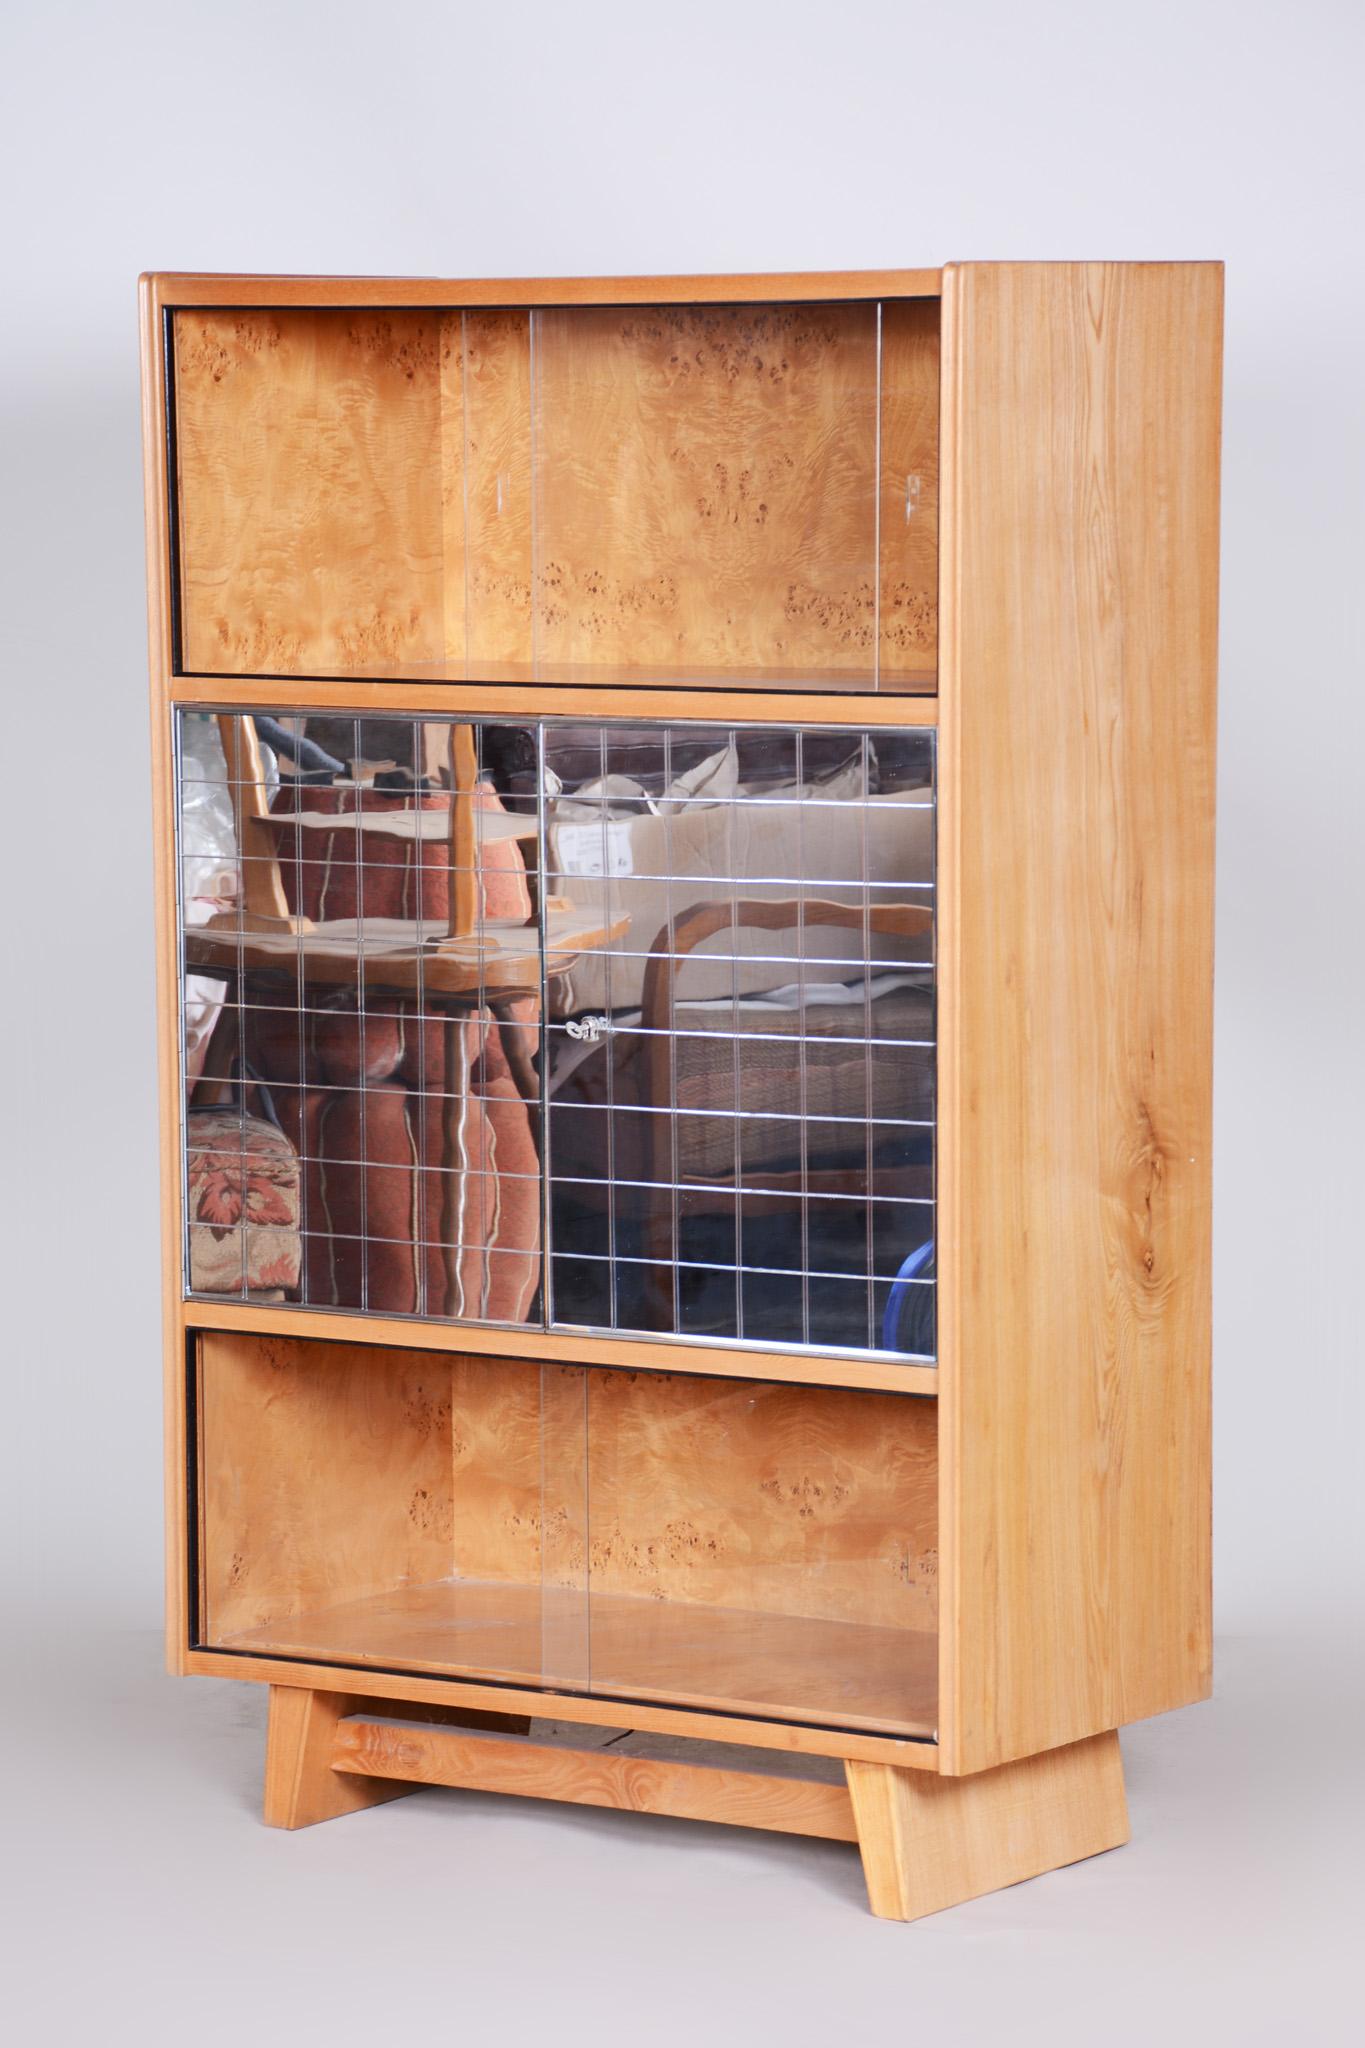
(610, 1027)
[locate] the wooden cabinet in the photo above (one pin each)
(684, 823)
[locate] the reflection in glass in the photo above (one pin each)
(363, 1008)
(627, 1028)
(740, 1078)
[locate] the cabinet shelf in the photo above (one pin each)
(793, 1667)
(656, 679)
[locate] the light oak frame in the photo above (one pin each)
(1077, 658)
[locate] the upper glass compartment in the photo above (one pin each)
(719, 495)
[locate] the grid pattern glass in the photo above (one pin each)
(614, 1027)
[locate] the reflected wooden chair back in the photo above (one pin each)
(264, 901)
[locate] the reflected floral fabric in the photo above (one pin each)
(243, 1203)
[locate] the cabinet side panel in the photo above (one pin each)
(1081, 435)
(160, 633)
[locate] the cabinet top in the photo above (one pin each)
(209, 288)
(169, 288)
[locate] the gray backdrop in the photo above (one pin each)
(446, 139)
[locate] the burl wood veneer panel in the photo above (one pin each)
(707, 492)
(796, 1500)
(1080, 442)
(324, 1475)
(495, 485)
(706, 489)
(908, 624)
(311, 524)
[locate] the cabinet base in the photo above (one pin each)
(926, 1841)
(929, 1842)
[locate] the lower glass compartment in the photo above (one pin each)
(723, 1544)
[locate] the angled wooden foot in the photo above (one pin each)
(928, 1842)
(304, 1741)
(300, 1785)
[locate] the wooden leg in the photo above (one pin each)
(300, 1785)
(928, 1842)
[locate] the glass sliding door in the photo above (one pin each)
(363, 951)
(614, 1027)
(740, 1078)
(734, 1545)
(604, 495)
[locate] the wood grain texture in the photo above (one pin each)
(312, 526)
(930, 1842)
(301, 1787)
(498, 959)
(495, 479)
(445, 1716)
(452, 403)
(641, 1354)
(773, 1499)
(1079, 502)
(490, 698)
(787, 1737)
(357, 492)
(591, 1777)
(764, 1497)
(706, 489)
(499, 1469)
(224, 288)
(727, 1659)
(1080, 446)
(263, 898)
(908, 526)
(325, 1475)
(175, 1446)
